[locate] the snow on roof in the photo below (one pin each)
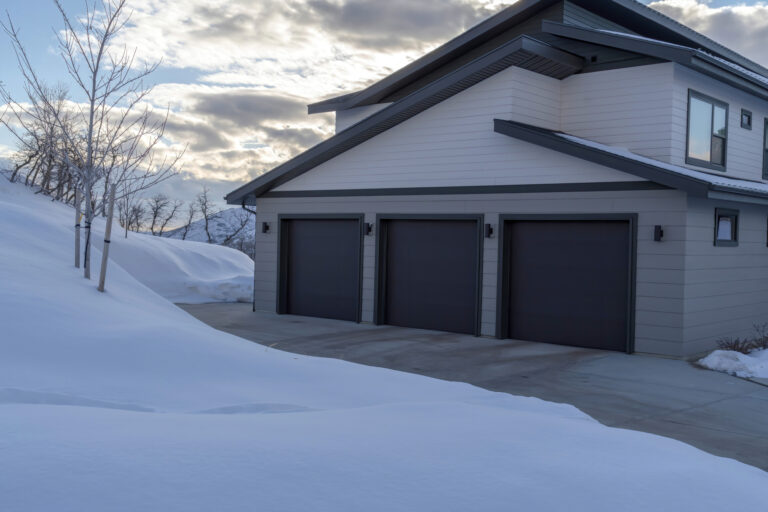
(757, 76)
(713, 179)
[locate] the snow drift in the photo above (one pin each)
(754, 364)
(121, 401)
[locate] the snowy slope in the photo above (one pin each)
(122, 402)
(188, 272)
(220, 225)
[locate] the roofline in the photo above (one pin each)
(515, 52)
(688, 57)
(551, 140)
(496, 24)
(690, 34)
(436, 57)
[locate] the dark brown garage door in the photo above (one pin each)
(568, 282)
(320, 268)
(429, 274)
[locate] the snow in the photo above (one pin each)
(180, 271)
(752, 365)
(119, 401)
(714, 179)
(220, 225)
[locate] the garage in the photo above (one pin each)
(568, 281)
(320, 267)
(429, 273)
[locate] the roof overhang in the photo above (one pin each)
(628, 13)
(685, 56)
(524, 52)
(473, 37)
(695, 183)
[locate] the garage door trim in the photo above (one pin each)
(502, 320)
(379, 290)
(282, 254)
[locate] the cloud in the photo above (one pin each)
(742, 28)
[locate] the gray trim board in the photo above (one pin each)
(281, 296)
(502, 270)
(480, 189)
(523, 51)
(381, 250)
(550, 139)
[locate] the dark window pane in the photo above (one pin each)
(699, 129)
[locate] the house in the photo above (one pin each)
(587, 173)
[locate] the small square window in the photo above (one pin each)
(746, 119)
(726, 227)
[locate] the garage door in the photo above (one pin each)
(429, 274)
(320, 268)
(568, 282)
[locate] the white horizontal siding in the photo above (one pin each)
(629, 108)
(453, 144)
(346, 118)
(726, 288)
(659, 295)
(744, 157)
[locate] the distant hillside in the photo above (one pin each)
(225, 228)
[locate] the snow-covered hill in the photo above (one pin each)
(122, 402)
(233, 227)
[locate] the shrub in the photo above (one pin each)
(759, 341)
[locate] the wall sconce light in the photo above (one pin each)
(658, 233)
(368, 229)
(488, 231)
(265, 227)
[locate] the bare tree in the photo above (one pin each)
(113, 136)
(241, 218)
(170, 215)
(206, 209)
(191, 213)
(157, 205)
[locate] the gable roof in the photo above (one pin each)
(631, 14)
(696, 183)
(524, 52)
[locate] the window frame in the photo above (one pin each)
(695, 161)
(765, 149)
(734, 214)
(746, 126)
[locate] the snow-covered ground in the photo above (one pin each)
(121, 401)
(181, 271)
(220, 225)
(754, 364)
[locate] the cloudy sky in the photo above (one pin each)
(238, 74)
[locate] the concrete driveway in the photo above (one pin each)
(717, 413)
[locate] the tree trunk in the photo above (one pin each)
(77, 229)
(88, 220)
(107, 236)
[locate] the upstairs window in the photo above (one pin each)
(707, 131)
(746, 119)
(765, 150)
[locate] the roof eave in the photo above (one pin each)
(523, 48)
(549, 139)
